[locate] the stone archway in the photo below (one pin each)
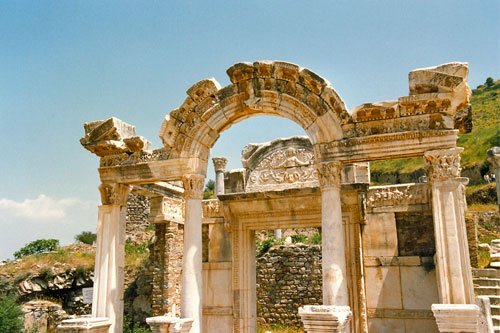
(262, 88)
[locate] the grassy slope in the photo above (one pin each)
(485, 133)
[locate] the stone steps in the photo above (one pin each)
(487, 291)
(486, 282)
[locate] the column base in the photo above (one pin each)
(84, 324)
(168, 324)
(456, 317)
(325, 318)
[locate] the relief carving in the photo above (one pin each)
(212, 208)
(397, 195)
(443, 163)
(173, 207)
(291, 166)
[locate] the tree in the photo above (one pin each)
(86, 237)
(10, 315)
(209, 191)
(38, 246)
(489, 82)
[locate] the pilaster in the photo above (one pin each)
(110, 255)
(454, 277)
(191, 291)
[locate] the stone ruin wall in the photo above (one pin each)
(287, 278)
(137, 219)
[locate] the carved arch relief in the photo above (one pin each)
(262, 88)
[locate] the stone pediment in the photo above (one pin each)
(280, 164)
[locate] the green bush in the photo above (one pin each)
(10, 315)
(38, 246)
(264, 245)
(46, 273)
(299, 238)
(86, 237)
(209, 191)
(315, 239)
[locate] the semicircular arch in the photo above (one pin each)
(260, 88)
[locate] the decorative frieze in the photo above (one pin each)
(193, 186)
(329, 174)
(212, 208)
(397, 195)
(114, 194)
(443, 163)
(324, 318)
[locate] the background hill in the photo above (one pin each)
(485, 133)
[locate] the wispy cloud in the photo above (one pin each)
(43, 208)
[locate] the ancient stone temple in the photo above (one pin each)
(394, 258)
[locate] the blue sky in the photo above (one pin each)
(63, 63)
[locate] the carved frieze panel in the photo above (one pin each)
(212, 208)
(286, 168)
(173, 208)
(397, 195)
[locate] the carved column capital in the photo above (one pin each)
(219, 164)
(443, 164)
(193, 186)
(114, 194)
(329, 174)
(493, 155)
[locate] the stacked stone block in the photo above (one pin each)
(287, 278)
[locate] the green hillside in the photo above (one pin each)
(485, 133)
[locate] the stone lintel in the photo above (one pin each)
(150, 172)
(387, 146)
(456, 317)
(84, 324)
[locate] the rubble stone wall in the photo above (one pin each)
(288, 276)
(137, 219)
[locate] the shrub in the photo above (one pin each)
(489, 82)
(46, 273)
(209, 191)
(10, 315)
(263, 246)
(38, 246)
(316, 238)
(86, 237)
(299, 238)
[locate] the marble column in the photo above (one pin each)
(107, 298)
(494, 159)
(220, 167)
(191, 291)
(335, 290)
(453, 271)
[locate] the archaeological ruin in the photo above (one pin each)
(393, 258)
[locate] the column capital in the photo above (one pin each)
(493, 155)
(193, 186)
(444, 164)
(219, 164)
(329, 173)
(114, 194)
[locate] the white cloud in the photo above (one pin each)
(43, 208)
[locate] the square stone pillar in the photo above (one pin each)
(452, 252)
(107, 300)
(191, 291)
(335, 290)
(84, 325)
(325, 319)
